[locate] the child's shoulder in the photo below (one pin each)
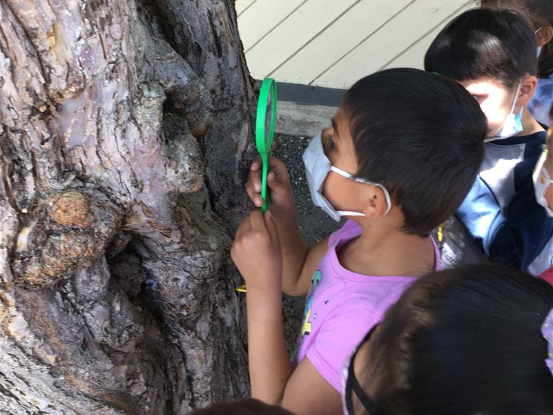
(349, 230)
(524, 141)
(537, 139)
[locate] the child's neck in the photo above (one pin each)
(529, 124)
(380, 251)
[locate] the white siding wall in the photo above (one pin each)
(333, 43)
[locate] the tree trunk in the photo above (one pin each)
(125, 133)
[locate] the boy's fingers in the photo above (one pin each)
(254, 196)
(255, 180)
(257, 221)
(271, 227)
(250, 192)
(243, 228)
(256, 183)
(239, 232)
(275, 184)
(276, 164)
(256, 165)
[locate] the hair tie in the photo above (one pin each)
(547, 331)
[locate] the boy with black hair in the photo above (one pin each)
(377, 166)
(540, 15)
(492, 53)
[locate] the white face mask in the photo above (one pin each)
(542, 181)
(513, 123)
(317, 166)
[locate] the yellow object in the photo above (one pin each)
(241, 289)
(441, 233)
(306, 327)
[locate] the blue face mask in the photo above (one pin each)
(513, 123)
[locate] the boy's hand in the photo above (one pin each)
(256, 252)
(282, 199)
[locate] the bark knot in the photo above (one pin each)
(71, 208)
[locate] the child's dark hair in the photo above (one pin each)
(540, 14)
(466, 341)
(242, 407)
(421, 135)
(480, 43)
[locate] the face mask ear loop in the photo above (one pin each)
(516, 98)
(348, 213)
(387, 197)
(350, 176)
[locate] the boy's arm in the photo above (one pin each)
(272, 375)
(273, 378)
(256, 253)
(314, 386)
(297, 260)
(298, 285)
(308, 393)
(269, 363)
(515, 235)
(294, 252)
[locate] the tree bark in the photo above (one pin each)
(125, 136)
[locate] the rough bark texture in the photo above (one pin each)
(125, 132)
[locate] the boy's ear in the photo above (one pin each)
(376, 206)
(527, 89)
(544, 35)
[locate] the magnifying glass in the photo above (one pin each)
(264, 133)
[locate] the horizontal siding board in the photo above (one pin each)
(333, 43)
(414, 56)
(242, 5)
(397, 36)
(292, 34)
(262, 17)
(337, 40)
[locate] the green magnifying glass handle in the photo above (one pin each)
(264, 133)
(265, 191)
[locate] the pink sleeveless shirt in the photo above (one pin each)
(342, 307)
